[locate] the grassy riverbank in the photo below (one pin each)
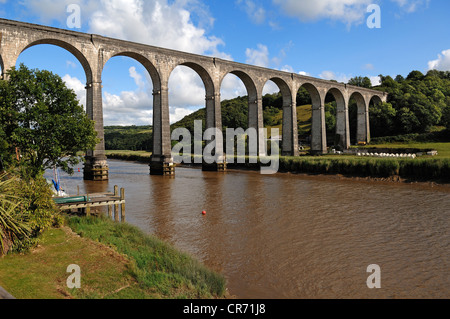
(117, 261)
(425, 168)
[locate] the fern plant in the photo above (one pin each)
(13, 227)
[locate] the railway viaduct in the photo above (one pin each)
(94, 51)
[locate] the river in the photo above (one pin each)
(289, 236)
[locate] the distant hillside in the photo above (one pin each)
(132, 138)
(234, 115)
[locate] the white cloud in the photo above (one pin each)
(304, 73)
(232, 87)
(256, 13)
(270, 88)
(186, 89)
(137, 78)
(375, 80)
(442, 63)
(130, 107)
(71, 64)
(178, 113)
(78, 87)
(347, 11)
(155, 22)
(164, 23)
(259, 56)
(329, 75)
(56, 10)
(287, 68)
(411, 5)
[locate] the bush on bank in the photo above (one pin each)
(26, 210)
(420, 169)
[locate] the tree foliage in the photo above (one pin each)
(43, 119)
(361, 82)
(132, 138)
(415, 104)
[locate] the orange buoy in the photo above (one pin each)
(203, 212)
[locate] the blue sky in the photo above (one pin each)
(327, 39)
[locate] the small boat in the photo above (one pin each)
(71, 199)
(58, 190)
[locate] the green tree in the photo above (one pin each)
(330, 118)
(382, 119)
(445, 120)
(415, 76)
(361, 82)
(303, 97)
(43, 118)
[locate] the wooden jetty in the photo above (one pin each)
(114, 201)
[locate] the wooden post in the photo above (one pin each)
(116, 207)
(88, 208)
(116, 213)
(110, 211)
(122, 198)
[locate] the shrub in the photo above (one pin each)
(13, 225)
(28, 209)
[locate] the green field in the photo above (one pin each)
(304, 117)
(442, 148)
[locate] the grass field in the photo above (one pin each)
(304, 117)
(442, 148)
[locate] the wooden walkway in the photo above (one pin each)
(114, 201)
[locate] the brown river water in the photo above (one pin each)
(288, 236)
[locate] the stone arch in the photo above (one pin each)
(213, 118)
(363, 128)
(161, 114)
(249, 83)
(255, 110)
(342, 119)
(376, 100)
(289, 132)
(318, 130)
(146, 63)
(66, 46)
(204, 75)
(313, 91)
